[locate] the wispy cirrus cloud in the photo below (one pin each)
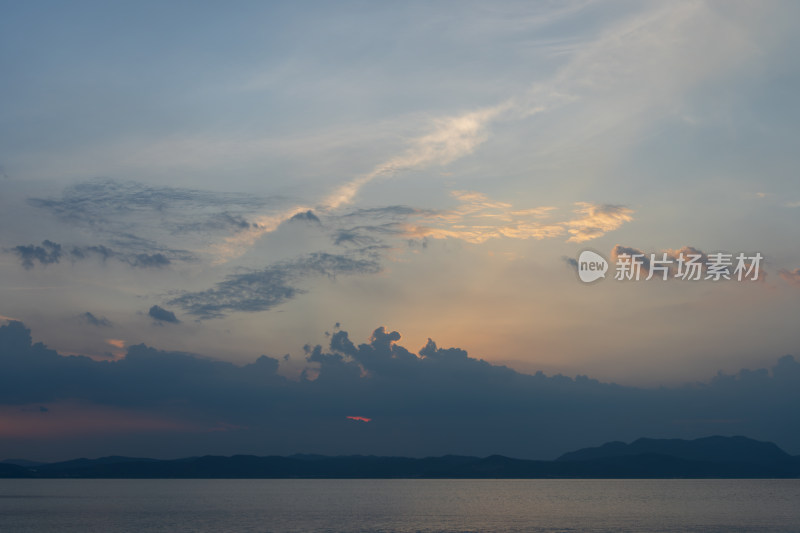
(617, 71)
(606, 62)
(449, 138)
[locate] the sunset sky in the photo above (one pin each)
(238, 180)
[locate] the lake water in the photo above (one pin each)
(110, 506)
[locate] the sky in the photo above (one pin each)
(226, 228)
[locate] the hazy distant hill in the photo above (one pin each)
(15, 471)
(714, 449)
(712, 457)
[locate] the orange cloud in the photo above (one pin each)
(596, 220)
(478, 220)
(792, 277)
(360, 418)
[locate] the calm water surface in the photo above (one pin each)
(111, 506)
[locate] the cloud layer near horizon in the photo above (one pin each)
(435, 402)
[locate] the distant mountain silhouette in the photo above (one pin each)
(714, 449)
(74, 465)
(711, 457)
(15, 471)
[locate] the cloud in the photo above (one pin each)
(107, 201)
(149, 260)
(448, 139)
(478, 219)
(46, 254)
(391, 211)
(644, 260)
(436, 401)
(154, 257)
(83, 252)
(118, 213)
(596, 220)
(606, 70)
(366, 235)
(215, 222)
(95, 321)
(308, 216)
(130, 247)
(631, 68)
(160, 315)
(792, 277)
(264, 289)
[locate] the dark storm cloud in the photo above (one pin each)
(261, 290)
(96, 321)
(160, 314)
(48, 253)
(145, 377)
(439, 400)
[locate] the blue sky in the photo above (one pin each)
(234, 180)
